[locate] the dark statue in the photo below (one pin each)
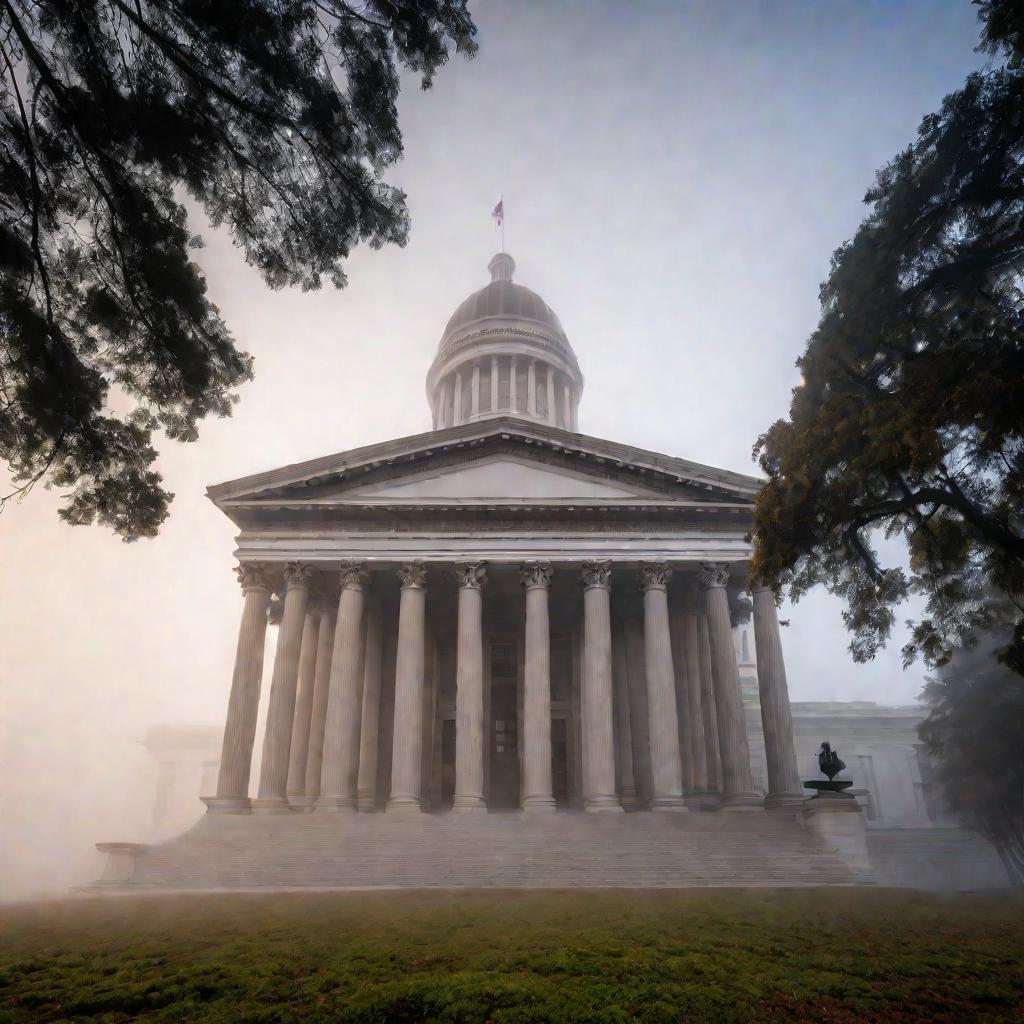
(830, 764)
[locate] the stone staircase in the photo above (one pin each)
(488, 850)
(934, 858)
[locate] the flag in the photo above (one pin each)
(498, 213)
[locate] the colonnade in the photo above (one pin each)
(320, 748)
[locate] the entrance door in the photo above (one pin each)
(504, 752)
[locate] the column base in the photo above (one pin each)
(539, 805)
(302, 804)
(669, 803)
(469, 803)
(271, 805)
(404, 805)
(784, 803)
(600, 804)
(366, 802)
(226, 804)
(335, 805)
(742, 802)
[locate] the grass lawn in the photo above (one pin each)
(713, 955)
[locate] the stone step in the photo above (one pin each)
(428, 851)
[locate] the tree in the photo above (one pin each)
(278, 117)
(974, 730)
(909, 418)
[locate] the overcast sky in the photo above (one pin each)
(675, 176)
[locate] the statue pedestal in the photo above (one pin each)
(120, 867)
(838, 820)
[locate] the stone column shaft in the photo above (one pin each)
(698, 751)
(784, 787)
(474, 398)
(494, 383)
(281, 707)
(407, 750)
(598, 739)
(513, 396)
(243, 702)
(663, 717)
(369, 732)
(469, 691)
(321, 692)
(531, 388)
(737, 780)
(296, 788)
(552, 416)
(707, 700)
(457, 401)
(537, 790)
(340, 770)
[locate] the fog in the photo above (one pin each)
(675, 178)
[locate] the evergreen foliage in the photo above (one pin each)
(974, 728)
(278, 117)
(909, 418)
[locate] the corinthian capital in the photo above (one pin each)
(713, 575)
(413, 574)
(252, 576)
(352, 576)
(536, 574)
(471, 575)
(298, 574)
(655, 576)
(596, 574)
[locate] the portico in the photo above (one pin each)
(498, 645)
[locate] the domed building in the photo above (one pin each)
(500, 614)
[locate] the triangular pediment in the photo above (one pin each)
(498, 478)
(505, 462)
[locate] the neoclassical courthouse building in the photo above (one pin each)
(500, 615)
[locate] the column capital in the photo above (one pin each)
(596, 575)
(252, 576)
(655, 576)
(353, 576)
(713, 575)
(413, 575)
(298, 574)
(534, 575)
(757, 589)
(471, 575)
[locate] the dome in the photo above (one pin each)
(507, 334)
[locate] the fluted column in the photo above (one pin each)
(784, 787)
(321, 693)
(550, 377)
(666, 768)
(277, 737)
(369, 732)
(469, 690)
(513, 397)
(243, 702)
(537, 792)
(598, 740)
(457, 416)
(407, 752)
(698, 750)
(340, 770)
(531, 388)
(299, 752)
(737, 781)
(474, 398)
(707, 701)
(494, 384)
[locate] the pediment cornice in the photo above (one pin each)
(324, 481)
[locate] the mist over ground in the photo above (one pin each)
(675, 179)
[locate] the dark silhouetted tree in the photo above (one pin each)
(279, 118)
(974, 730)
(909, 418)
